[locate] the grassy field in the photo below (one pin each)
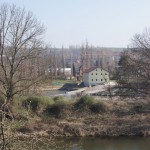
(53, 84)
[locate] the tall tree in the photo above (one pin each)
(135, 64)
(63, 61)
(20, 39)
(55, 61)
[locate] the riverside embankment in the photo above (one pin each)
(86, 116)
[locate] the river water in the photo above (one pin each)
(120, 143)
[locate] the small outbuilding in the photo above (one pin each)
(95, 76)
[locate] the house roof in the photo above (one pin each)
(91, 69)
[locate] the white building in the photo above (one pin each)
(61, 71)
(95, 76)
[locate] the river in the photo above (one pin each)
(120, 143)
(90, 143)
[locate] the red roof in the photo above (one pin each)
(89, 70)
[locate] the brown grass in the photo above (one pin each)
(97, 118)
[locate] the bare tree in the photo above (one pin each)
(20, 39)
(55, 64)
(135, 64)
(63, 61)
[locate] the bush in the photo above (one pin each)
(99, 107)
(32, 102)
(46, 101)
(55, 110)
(84, 102)
(37, 103)
(59, 108)
(138, 108)
(58, 98)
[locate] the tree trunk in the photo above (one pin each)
(7, 106)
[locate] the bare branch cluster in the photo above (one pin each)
(135, 64)
(20, 41)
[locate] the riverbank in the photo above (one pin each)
(85, 117)
(103, 126)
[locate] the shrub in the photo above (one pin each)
(138, 108)
(32, 102)
(58, 98)
(37, 103)
(85, 102)
(46, 101)
(55, 110)
(99, 107)
(60, 108)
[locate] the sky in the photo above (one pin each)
(104, 23)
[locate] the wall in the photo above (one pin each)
(86, 79)
(97, 76)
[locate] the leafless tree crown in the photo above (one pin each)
(20, 39)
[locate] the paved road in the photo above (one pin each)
(94, 89)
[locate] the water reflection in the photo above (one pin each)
(135, 143)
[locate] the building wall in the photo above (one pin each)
(86, 79)
(95, 77)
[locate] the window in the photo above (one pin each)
(105, 80)
(101, 74)
(96, 79)
(105, 73)
(92, 79)
(91, 73)
(101, 79)
(96, 73)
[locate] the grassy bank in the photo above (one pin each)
(83, 116)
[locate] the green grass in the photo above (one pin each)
(61, 82)
(57, 81)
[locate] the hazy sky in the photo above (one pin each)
(109, 23)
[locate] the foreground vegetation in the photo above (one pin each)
(82, 116)
(38, 119)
